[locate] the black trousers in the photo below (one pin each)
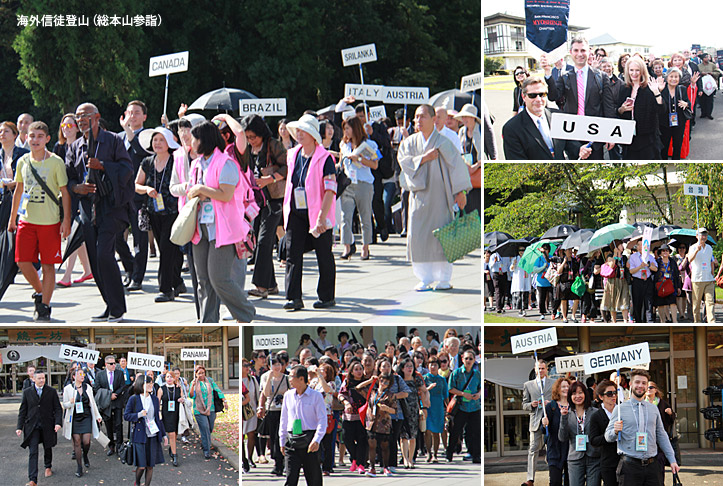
(668, 133)
(560, 477)
(273, 417)
(298, 241)
(543, 297)
(269, 219)
(296, 459)
(500, 280)
(134, 263)
(327, 449)
(635, 474)
(609, 476)
(470, 423)
(114, 426)
(643, 300)
(35, 439)
(393, 451)
(706, 104)
(169, 270)
(380, 221)
(474, 201)
(100, 239)
(355, 440)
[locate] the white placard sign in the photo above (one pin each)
(695, 190)
(271, 341)
(591, 128)
(569, 364)
(471, 83)
(534, 340)
(376, 113)
(194, 354)
(141, 361)
(402, 95)
(682, 382)
(616, 358)
(359, 55)
(168, 64)
(84, 355)
(263, 107)
(368, 92)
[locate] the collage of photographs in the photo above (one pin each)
(585, 227)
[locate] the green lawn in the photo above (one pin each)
(718, 294)
(494, 318)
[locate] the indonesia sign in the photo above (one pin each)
(168, 64)
(72, 353)
(534, 340)
(271, 341)
(616, 358)
(359, 55)
(141, 361)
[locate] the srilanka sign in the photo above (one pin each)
(359, 55)
(534, 340)
(616, 358)
(85, 355)
(547, 23)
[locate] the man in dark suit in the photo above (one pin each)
(30, 380)
(526, 136)
(113, 380)
(607, 392)
(597, 99)
(39, 419)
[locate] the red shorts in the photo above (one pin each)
(34, 239)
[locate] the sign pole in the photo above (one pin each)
(366, 109)
(542, 391)
(620, 393)
(697, 222)
(405, 115)
(165, 96)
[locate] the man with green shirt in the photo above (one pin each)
(40, 178)
(466, 384)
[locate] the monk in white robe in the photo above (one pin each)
(437, 177)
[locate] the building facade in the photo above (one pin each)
(684, 361)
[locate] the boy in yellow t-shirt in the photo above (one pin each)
(39, 230)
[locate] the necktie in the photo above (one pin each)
(641, 424)
(110, 380)
(545, 136)
(580, 94)
(40, 391)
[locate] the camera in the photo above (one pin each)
(713, 390)
(712, 413)
(278, 399)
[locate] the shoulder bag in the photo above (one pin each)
(47, 190)
(125, 451)
(363, 408)
(454, 403)
(217, 400)
(184, 227)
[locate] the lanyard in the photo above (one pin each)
(637, 422)
(581, 422)
(173, 397)
(672, 102)
(163, 176)
(273, 394)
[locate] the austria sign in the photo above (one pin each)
(168, 64)
(534, 340)
(359, 55)
(565, 126)
(616, 358)
(84, 355)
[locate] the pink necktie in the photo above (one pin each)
(580, 94)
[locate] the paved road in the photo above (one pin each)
(193, 469)
(379, 290)
(704, 145)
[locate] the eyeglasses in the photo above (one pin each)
(532, 96)
(651, 388)
(611, 394)
(519, 72)
(443, 361)
(469, 359)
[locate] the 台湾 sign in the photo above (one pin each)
(534, 340)
(695, 190)
(616, 358)
(591, 128)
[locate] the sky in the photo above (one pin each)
(659, 23)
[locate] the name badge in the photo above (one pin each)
(207, 215)
(158, 203)
(666, 275)
(78, 407)
(581, 442)
(641, 441)
(644, 273)
(673, 119)
(23, 209)
(374, 410)
(171, 406)
(297, 430)
(152, 425)
(300, 198)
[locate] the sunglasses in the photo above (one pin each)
(532, 96)
(611, 394)
(518, 73)
(67, 125)
(443, 361)
(651, 388)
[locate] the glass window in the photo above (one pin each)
(511, 399)
(686, 367)
(233, 354)
(516, 431)
(715, 371)
(715, 338)
(490, 396)
(213, 335)
(490, 439)
(122, 335)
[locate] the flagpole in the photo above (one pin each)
(542, 391)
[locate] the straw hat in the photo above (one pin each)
(146, 136)
(308, 124)
(468, 110)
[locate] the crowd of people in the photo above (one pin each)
(611, 431)
(158, 408)
(661, 96)
(249, 191)
(370, 403)
(667, 285)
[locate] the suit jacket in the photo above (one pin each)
(522, 140)
(531, 392)
(44, 411)
(595, 104)
(569, 68)
(569, 429)
(69, 395)
(608, 450)
(556, 449)
(138, 434)
(119, 384)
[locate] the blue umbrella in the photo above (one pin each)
(604, 236)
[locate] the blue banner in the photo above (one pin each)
(720, 59)
(547, 22)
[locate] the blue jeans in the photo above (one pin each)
(584, 471)
(205, 425)
(390, 190)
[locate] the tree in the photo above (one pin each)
(710, 208)
(492, 64)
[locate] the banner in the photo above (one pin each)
(359, 55)
(23, 354)
(376, 113)
(471, 82)
(547, 23)
(569, 364)
(591, 128)
(141, 361)
(534, 340)
(616, 358)
(367, 92)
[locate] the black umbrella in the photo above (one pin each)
(454, 99)
(221, 99)
(495, 238)
(75, 239)
(8, 267)
(531, 239)
(559, 232)
(510, 248)
(663, 232)
(577, 238)
(639, 229)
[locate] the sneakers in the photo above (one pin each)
(360, 469)
(372, 473)
(353, 466)
(542, 317)
(387, 472)
(42, 313)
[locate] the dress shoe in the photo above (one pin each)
(264, 294)
(181, 289)
(175, 459)
(79, 472)
(320, 304)
(112, 318)
(100, 318)
(274, 291)
(352, 250)
(366, 257)
(135, 286)
(110, 452)
(43, 313)
(48, 472)
(86, 462)
(294, 305)
(164, 297)
(384, 234)
(127, 280)
(62, 284)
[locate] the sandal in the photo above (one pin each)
(264, 294)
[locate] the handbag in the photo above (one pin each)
(578, 286)
(277, 189)
(551, 275)
(363, 408)
(144, 218)
(245, 248)
(676, 480)
(606, 271)
(330, 424)
(125, 451)
(217, 402)
(664, 287)
(460, 236)
(719, 281)
(184, 227)
(247, 411)
(454, 403)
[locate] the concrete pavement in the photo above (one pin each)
(377, 290)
